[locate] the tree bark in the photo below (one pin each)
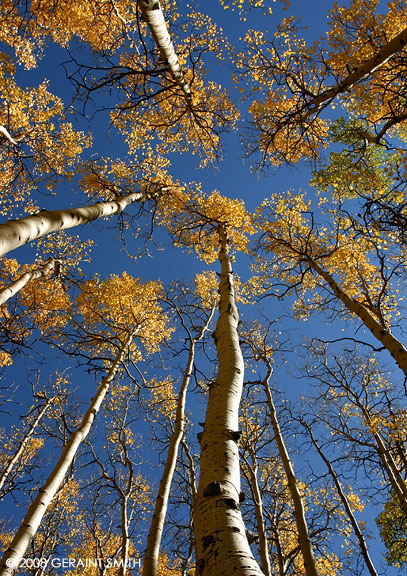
(5, 473)
(151, 555)
(258, 509)
(22, 280)
(299, 513)
(13, 555)
(16, 233)
(153, 15)
(220, 535)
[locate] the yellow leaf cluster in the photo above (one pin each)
(119, 306)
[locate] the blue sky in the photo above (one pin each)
(233, 176)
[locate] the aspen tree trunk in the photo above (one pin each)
(5, 473)
(153, 15)
(282, 565)
(16, 233)
(221, 544)
(258, 509)
(22, 280)
(299, 513)
(125, 537)
(18, 547)
(395, 45)
(151, 555)
(382, 334)
(346, 505)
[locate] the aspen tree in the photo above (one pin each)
(250, 469)
(356, 402)
(129, 311)
(16, 233)
(357, 64)
(310, 259)
(43, 269)
(118, 482)
(24, 443)
(210, 225)
(153, 15)
(355, 525)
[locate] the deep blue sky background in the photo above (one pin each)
(232, 176)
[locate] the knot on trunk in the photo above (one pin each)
(235, 435)
(231, 503)
(208, 541)
(213, 489)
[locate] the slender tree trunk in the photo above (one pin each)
(346, 505)
(222, 548)
(380, 332)
(5, 473)
(125, 537)
(280, 556)
(395, 45)
(10, 291)
(151, 555)
(153, 15)
(258, 509)
(13, 555)
(299, 513)
(16, 233)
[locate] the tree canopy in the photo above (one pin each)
(203, 352)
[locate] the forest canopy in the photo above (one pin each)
(203, 354)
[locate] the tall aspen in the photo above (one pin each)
(15, 552)
(222, 547)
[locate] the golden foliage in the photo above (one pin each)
(119, 306)
(194, 219)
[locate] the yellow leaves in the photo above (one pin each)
(123, 305)
(48, 147)
(163, 399)
(206, 287)
(5, 359)
(197, 218)
(47, 303)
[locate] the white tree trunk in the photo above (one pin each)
(222, 548)
(299, 512)
(16, 233)
(22, 280)
(5, 473)
(258, 509)
(153, 15)
(18, 547)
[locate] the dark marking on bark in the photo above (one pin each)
(213, 489)
(236, 529)
(242, 496)
(230, 503)
(199, 566)
(208, 541)
(236, 435)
